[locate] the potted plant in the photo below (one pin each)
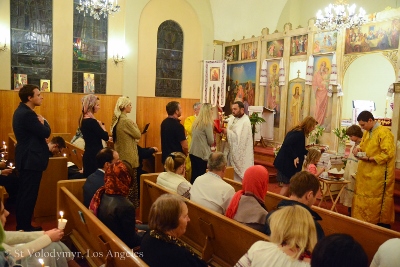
(315, 134)
(341, 134)
(254, 120)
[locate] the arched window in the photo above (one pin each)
(31, 42)
(90, 53)
(169, 60)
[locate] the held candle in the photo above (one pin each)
(41, 262)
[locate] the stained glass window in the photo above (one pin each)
(31, 40)
(89, 53)
(169, 60)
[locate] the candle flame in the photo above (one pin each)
(61, 214)
(41, 261)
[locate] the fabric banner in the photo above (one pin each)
(310, 70)
(214, 82)
(281, 73)
(334, 75)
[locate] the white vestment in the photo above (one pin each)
(240, 145)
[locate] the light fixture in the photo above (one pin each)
(340, 16)
(117, 59)
(96, 8)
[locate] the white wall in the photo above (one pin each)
(366, 81)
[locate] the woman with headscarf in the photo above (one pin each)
(125, 133)
(111, 206)
(93, 132)
(247, 205)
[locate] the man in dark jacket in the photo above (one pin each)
(303, 191)
(31, 153)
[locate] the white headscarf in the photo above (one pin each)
(122, 103)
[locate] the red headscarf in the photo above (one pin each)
(117, 181)
(255, 182)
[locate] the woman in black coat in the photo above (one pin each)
(290, 157)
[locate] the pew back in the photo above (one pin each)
(74, 154)
(46, 207)
(370, 236)
(219, 239)
(90, 236)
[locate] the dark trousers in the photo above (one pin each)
(29, 182)
(199, 167)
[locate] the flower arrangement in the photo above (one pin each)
(341, 134)
(316, 133)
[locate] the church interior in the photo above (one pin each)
(268, 54)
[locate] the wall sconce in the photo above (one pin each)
(117, 59)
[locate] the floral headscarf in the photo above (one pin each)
(88, 104)
(117, 180)
(122, 103)
(255, 182)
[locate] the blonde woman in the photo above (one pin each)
(93, 132)
(202, 139)
(174, 178)
(125, 133)
(293, 238)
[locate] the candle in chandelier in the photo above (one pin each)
(41, 262)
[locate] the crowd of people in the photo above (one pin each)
(111, 190)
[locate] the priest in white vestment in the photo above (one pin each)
(240, 151)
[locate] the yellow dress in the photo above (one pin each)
(188, 128)
(373, 196)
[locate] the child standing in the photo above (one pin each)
(310, 163)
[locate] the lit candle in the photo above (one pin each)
(61, 214)
(64, 155)
(41, 262)
(11, 165)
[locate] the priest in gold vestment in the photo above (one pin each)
(373, 197)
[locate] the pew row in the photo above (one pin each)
(98, 244)
(220, 240)
(370, 236)
(159, 167)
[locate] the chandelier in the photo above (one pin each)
(96, 8)
(340, 16)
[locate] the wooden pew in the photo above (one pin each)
(219, 239)
(46, 207)
(98, 244)
(158, 166)
(12, 142)
(370, 236)
(74, 154)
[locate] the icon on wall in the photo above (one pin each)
(45, 85)
(19, 81)
(88, 83)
